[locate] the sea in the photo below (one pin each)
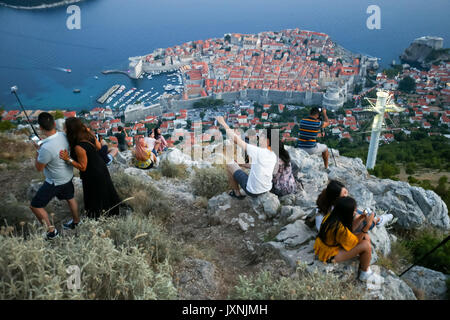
(36, 45)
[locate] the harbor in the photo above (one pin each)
(108, 93)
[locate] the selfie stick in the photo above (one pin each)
(430, 252)
(14, 90)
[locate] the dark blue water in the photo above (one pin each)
(34, 43)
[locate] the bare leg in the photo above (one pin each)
(363, 250)
(73, 206)
(325, 156)
(113, 151)
(42, 215)
(231, 169)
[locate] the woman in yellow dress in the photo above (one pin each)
(144, 155)
(336, 242)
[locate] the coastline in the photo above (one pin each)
(43, 6)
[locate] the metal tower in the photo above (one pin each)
(380, 106)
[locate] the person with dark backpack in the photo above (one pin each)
(283, 182)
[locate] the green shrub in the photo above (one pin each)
(424, 241)
(147, 199)
(146, 234)
(6, 125)
(36, 269)
(398, 259)
(209, 182)
(172, 170)
(308, 286)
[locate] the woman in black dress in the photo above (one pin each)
(99, 194)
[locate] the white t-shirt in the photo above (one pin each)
(150, 143)
(56, 171)
(261, 172)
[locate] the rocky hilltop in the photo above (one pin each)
(246, 236)
(414, 208)
(425, 51)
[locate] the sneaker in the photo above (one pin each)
(372, 279)
(52, 235)
(385, 219)
(70, 225)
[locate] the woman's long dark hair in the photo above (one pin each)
(329, 195)
(284, 155)
(342, 214)
(155, 131)
(76, 131)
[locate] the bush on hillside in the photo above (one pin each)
(424, 241)
(209, 182)
(36, 269)
(147, 199)
(308, 286)
(171, 170)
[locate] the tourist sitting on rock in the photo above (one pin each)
(121, 135)
(107, 153)
(146, 159)
(327, 198)
(309, 129)
(283, 181)
(337, 243)
(160, 139)
(262, 159)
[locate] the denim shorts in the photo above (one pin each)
(48, 191)
(241, 177)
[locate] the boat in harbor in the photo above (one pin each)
(169, 87)
(76, 90)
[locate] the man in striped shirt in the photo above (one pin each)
(309, 128)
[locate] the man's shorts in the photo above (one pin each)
(319, 148)
(48, 191)
(241, 177)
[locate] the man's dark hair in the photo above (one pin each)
(314, 111)
(46, 121)
(268, 134)
(120, 128)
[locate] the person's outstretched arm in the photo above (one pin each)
(236, 138)
(325, 122)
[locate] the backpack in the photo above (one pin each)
(284, 182)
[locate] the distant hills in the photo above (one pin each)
(36, 4)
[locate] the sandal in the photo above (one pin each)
(233, 194)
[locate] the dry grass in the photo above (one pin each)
(14, 150)
(308, 286)
(399, 257)
(148, 200)
(110, 268)
(171, 170)
(209, 182)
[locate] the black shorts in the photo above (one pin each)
(241, 177)
(123, 147)
(48, 191)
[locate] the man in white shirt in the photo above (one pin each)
(263, 161)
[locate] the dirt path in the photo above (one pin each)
(222, 245)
